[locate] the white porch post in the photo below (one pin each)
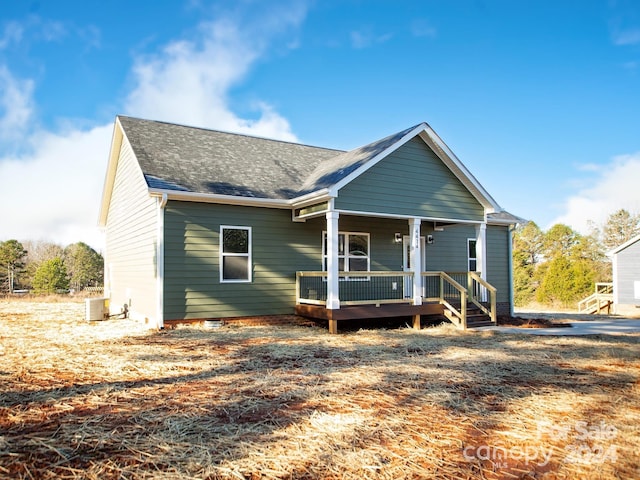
(416, 259)
(333, 296)
(481, 250)
(481, 256)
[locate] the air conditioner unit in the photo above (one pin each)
(97, 309)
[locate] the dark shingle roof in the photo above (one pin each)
(180, 158)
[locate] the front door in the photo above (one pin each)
(406, 261)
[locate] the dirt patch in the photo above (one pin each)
(88, 400)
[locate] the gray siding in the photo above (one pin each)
(628, 272)
(280, 247)
(448, 252)
(411, 181)
(192, 276)
(131, 232)
(498, 265)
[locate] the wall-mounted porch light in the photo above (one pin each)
(398, 237)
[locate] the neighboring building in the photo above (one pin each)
(203, 224)
(626, 277)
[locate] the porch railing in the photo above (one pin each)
(455, 290)
(602, 298)
(356, 288)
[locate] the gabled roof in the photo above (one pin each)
(187, 159)
(626, 244)
(207, 164)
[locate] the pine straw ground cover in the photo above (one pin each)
(111, 400)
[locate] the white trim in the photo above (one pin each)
(110, 175)
(224, 199)
(469, 258)
(481, 250)
(333, 283)
(510, 264)
(248, 255)
(360, 213)
(626, 244)
(298, 202)
(416, 259)
(333, 190)
(161, 204)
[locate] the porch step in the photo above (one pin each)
(479, 320)
(475, 318)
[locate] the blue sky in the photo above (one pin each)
(539, 99)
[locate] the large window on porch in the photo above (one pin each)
(353, 252)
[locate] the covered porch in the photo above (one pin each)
(465, 298)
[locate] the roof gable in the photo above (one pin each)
(208, 165)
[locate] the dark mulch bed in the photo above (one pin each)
(509, 321)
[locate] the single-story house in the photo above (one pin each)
(626, 277)
(202, 224)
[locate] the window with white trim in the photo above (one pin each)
(353, 252)
(472, 254)
(235, 254)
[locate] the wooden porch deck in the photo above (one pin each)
(357, 312)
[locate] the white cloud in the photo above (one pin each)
(189, 81)
(627, 37)
(12, 33)
(422, 28)
(16, 105)
(53, 192)
(614, 189)
(365, 38)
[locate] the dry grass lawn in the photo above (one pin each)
(111, 400)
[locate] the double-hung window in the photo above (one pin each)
(235, 254)
(353, 252)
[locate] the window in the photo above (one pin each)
(235, 254)
(472, 255)
(353, 252)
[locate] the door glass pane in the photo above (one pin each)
(408, 253)
(472, 249)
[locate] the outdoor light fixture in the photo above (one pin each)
(437, 228)
(398, 237)
(429, 239)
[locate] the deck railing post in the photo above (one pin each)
(463, 309)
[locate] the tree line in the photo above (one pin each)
(561, 266)
(44, 267)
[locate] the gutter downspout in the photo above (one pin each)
(162, 203)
